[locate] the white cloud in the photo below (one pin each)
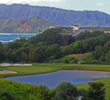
(49, 0)
(27, 1)
(99, 4)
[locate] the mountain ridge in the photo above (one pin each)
(56, 15)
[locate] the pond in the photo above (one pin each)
(51, 80)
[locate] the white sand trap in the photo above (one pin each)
(7, 72)
(21, 64)
(7, 64)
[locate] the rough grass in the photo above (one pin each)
(106, 81)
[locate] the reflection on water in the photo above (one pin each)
(51, 80)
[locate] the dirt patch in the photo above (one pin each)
(78, 56)
(7, 72)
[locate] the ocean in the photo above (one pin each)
(10, 37)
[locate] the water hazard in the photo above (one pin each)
(51, 80)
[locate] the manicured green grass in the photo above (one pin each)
(34, 69)
(51, 67)
(29, 69)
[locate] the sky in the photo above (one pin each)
(78, 5)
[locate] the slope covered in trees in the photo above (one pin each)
(51, 45)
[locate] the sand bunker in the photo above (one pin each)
(10, 72)
(7, 72)
(21, 64)
(7, 64)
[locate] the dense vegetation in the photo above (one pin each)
(55, 15)
(10, 90)
(42, 48)
(50, 46)
(24, 25)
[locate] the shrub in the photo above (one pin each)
(5, 95)
(65, 91)
(70, 60)
(82, 92)
(24, 91)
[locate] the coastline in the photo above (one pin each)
(16, 33)
(10, 37)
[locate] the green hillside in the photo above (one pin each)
(25, 25)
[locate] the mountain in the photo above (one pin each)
(56, 15)
(24, 25)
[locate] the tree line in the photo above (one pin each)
(51, 45)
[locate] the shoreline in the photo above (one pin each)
(11, 37)
(16, 33)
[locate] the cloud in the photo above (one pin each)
(99, 4)
(27, 1)
(49, 0)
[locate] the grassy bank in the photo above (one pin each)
(106, 81)
(38, 68)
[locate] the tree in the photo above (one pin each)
(39, 30)
(107, 57)
(96, 91)
(107, 46)
(84, 35)
(65, 91)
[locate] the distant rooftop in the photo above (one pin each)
(74, 25)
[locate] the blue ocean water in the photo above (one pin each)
(8, 37)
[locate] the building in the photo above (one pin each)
(52, 26)
(75, 27)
